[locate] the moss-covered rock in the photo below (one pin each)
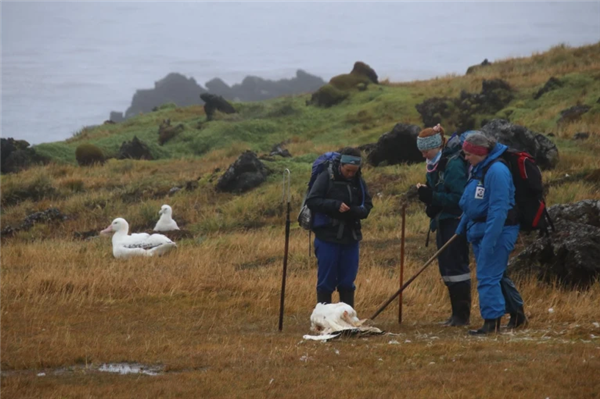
(166, 132)
(327, 96)
(89, 154)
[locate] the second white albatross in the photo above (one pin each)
(139, 244)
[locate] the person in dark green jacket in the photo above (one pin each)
(447, 175)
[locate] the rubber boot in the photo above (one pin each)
(460, 295)
(489, 326)
(517, 319)
(347, 296)
(323, 297)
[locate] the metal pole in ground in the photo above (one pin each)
(410, 280)
(402, 237)
(286, 187)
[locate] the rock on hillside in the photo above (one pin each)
(246, 173)
(519, 137)
(570, 254)
(396, 146)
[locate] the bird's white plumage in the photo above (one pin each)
(166, 222)
(139, 244)
(332, 317)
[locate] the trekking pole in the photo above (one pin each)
(385, 305)
(287, 241)
(401, 262)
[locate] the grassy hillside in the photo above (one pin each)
(207, 313)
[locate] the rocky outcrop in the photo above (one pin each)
(16, 155)
(246, 173)
(134, 149)
(519, 137)
(327, 96)
(436, 110)
(397, 146)
(173, 88)
(47, 216)
(573, 114)
(116, 116)
(581, 136)
(88, 154)
(360, 76)
(166, 132)
(254, 88)
(570, 254)
(213, 103)
(552, 84)
(475, 68)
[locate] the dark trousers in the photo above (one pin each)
(337, 266)
(454, 260)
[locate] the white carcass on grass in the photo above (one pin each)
(330, 318)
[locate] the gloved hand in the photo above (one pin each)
(425, 194)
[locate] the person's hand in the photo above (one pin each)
(425, 194)
(419, 185)
(344, 208)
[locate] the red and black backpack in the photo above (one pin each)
(529, 189)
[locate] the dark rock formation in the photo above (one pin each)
(254, 88)
(523, 139)
(474, 68)
(552, 84)
(16, 155)
(278, 149)
(116, 116)
(397, 146)
(360, 76)
(572, 114)
(246, 173)
(570, 254)
(360, 68)
(469, 110)
(327, 96)
(166, 132)
(435, 110)
(220, 88)
(134, 149)
(47, 216)
(581, 136)
(88, 154)
(214, 103)
(173, 88)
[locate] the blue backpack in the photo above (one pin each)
(305, 217)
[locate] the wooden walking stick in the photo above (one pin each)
(287, 241)
(401, 262)
(410, 280)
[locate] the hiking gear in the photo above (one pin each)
(517, 319)
(425, 194)
(529, 189)
(454, 261)
(402, 239)
(327, 194)
(475, 149)
(318, 166)
(489, 326)
(491, 266)
(285, 187)
(460, 298)
(347, 296)
(429, 142)
(350, 160)
(410, 280)
(512, 298)
(323, 297)
(337, 265)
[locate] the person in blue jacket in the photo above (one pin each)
(447, 174)
(490, 222)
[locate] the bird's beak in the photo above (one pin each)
(160, 212)
(107, 230)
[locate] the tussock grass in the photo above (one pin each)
(208, 311)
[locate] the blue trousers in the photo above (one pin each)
(491, 270)
(337, 266)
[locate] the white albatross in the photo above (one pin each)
(166, 222)
(140, 244)
(332, 319)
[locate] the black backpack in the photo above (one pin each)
(529, 189)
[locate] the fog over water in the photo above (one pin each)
(67, 65)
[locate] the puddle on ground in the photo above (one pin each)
(130, 368)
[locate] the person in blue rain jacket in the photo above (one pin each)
(490, 222)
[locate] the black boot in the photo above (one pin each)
(489, 326)
(323, 297)
(347, 296)
(517, 319)
(460, 295)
